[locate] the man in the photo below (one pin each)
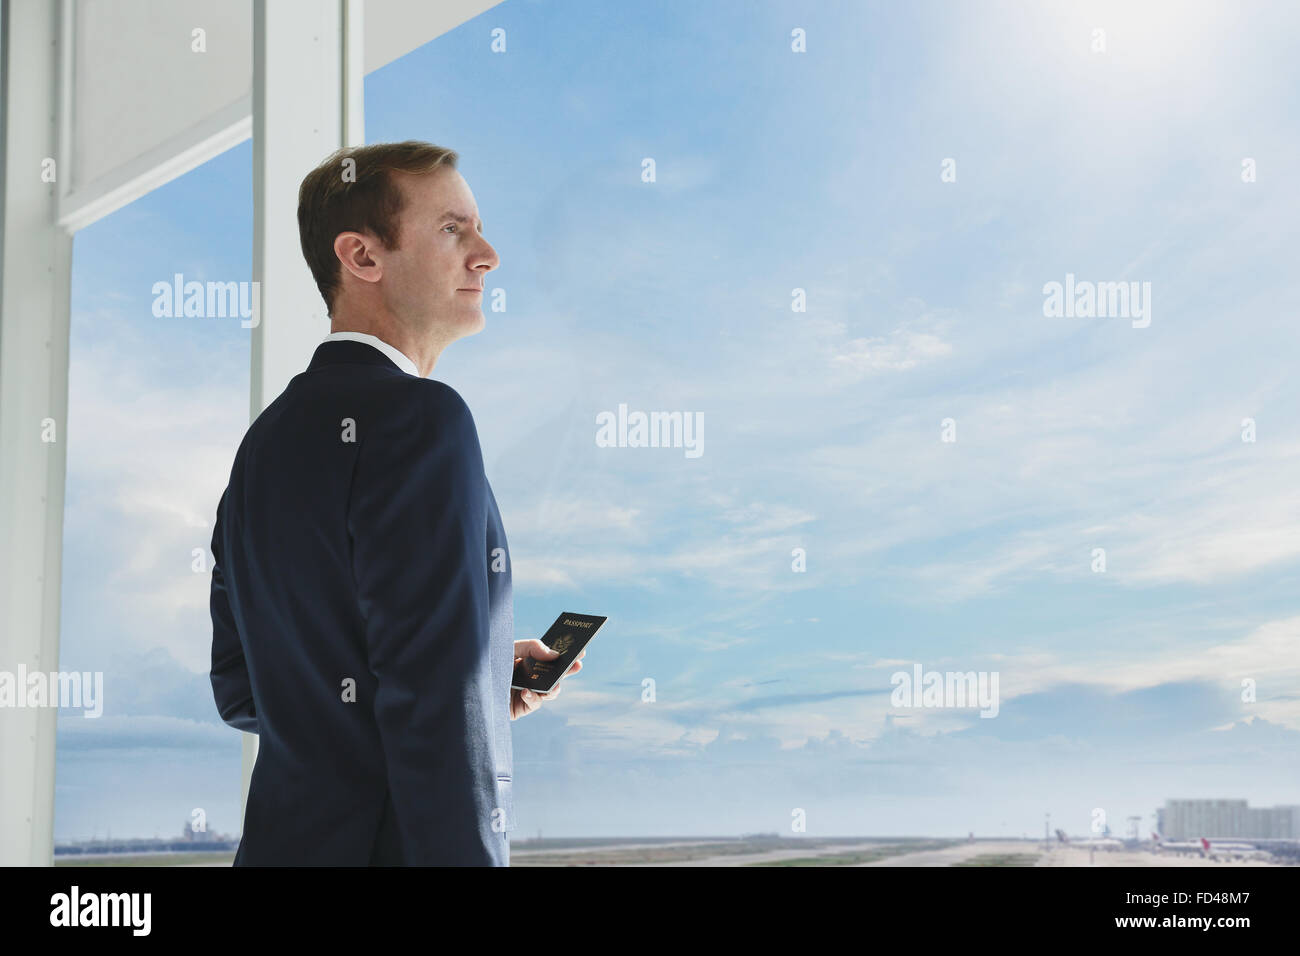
(362, 623)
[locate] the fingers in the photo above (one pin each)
(523, 703)
(536, 649)
(532, 648)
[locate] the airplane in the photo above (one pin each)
(1206, 847)
(1098, 843)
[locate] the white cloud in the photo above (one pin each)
(900, 350)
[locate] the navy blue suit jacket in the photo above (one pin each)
(362, 623)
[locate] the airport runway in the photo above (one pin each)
(1057, 855)
(1078, 856)
(769, 856)
(949, 855)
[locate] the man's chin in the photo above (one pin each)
(462, 320)
(474, 322)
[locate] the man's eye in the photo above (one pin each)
(450, 226)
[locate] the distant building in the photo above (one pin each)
(1224, 819)
(191, 835)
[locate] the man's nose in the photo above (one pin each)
(488, 256)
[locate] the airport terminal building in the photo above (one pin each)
(1222, 819)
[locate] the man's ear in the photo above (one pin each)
(354, 250)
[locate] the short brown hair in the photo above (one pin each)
(361, 196)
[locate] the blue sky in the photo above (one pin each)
(778, 170)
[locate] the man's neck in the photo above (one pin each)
(422, 350)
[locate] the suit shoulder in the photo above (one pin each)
(428, 404)
(419, 413)
(442, 399)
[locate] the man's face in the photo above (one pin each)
(434, 279)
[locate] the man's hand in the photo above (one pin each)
(524, 702)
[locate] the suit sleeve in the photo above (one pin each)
(417, 519)
(231, 687)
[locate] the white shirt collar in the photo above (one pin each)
(399, 358)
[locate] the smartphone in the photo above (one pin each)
(568, 635)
